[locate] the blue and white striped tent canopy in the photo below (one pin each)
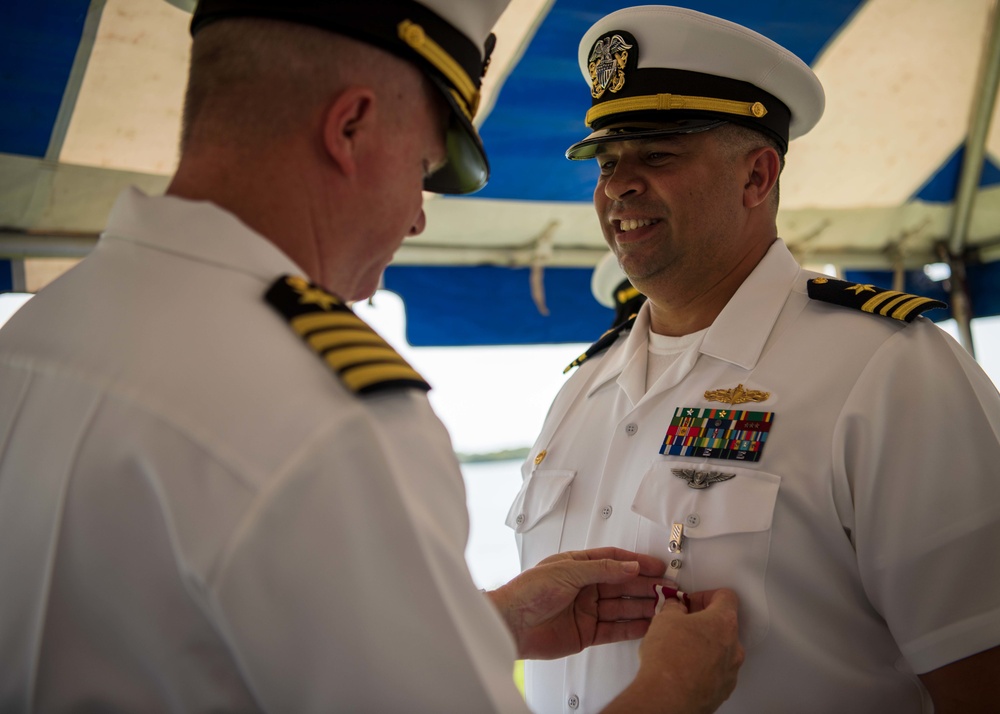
(902, 169)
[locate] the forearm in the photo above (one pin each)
(968, 686)
(642, 698)
(663, 691)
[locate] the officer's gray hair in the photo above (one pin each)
(742, 140)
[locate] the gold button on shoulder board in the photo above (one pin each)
(541, 457)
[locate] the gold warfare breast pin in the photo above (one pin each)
(737, 395)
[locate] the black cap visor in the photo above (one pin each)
(467, 169)
(631, 131)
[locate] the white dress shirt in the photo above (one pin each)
(863, 542)
(196, 515)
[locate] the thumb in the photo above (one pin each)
(721, 599)
(670, 608)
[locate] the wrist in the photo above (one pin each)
(502, 601)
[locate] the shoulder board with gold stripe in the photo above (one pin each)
(605, 341)
(364, 361)
(878, 301)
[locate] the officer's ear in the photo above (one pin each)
(348, 120)
(763, 167)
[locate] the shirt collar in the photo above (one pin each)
(616, 360)
(198, 230)
(739, 332)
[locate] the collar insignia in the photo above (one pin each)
(701, 479)
(736, 395)
(607, 64)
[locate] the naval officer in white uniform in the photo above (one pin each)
(814, 445)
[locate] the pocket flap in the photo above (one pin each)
(539, 494)
(743, 503)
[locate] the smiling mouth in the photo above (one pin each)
(630, 224)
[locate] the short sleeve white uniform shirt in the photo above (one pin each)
(862, 543)
(196, 515)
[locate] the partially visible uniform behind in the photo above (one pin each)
(613, 290)
(838, 468)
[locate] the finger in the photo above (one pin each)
(672, 607)
(640, 587)
(721, 599)
(648, 565)
(580, 574)
(615, 610)
(608, 632)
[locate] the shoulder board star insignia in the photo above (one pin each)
(364, 361)
(868, 298)
(605, 341)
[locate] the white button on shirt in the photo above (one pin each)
(852, 543)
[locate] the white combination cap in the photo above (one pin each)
(656, 69)
(606, 279)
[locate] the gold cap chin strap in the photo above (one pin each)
(665, 102)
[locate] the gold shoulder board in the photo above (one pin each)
(868, 298)
(364, 361)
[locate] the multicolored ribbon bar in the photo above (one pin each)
(731, 434)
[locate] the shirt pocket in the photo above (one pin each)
(539, 513)
(726, 536)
